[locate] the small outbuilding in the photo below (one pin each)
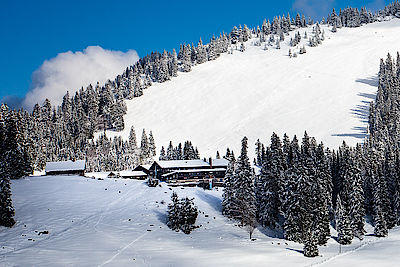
(68, 167)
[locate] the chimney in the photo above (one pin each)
(210, 162)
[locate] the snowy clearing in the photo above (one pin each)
(124, 225)
(325, 91)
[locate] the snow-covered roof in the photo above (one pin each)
(69, 165)
(132, 173)
(141, 167)
(195, 170)
(97, 174)
(146, 166)
(195, 163)
(220, 162)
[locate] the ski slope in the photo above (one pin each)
(125, 226)
(325, 91)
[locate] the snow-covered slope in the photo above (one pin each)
(122, 223)
(325, 91)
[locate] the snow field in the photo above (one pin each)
(325, 91)
(125, 225)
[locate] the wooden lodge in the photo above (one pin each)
(68, 167)
(189, 171)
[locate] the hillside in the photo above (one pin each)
(125, 225)
(325, 91)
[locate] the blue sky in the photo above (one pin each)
(35, 31)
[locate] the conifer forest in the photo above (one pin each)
(294, 186)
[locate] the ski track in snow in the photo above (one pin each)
(103, 236)
(361, 246)
(122, 250)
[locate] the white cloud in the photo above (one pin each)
(316, 9)
(70, 71)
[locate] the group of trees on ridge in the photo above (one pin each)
(187, 152)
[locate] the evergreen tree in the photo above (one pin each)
(310, 246)
(144, 147)
(189, 215)
(132, 139)
(228, 195)
(182, 214)
(152, 145)
(291, 196)
(271, 181)
(174, 213)
(343, 224)
(162, 154)
(7, 211)
(245, 202)
(170, 151)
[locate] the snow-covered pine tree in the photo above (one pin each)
(7, 211)
(291, 195)
(245, 202)
(182, 214)
(152, 145)
(271, 182)
(390, 173)
(309, 194)
(186, 59)
(228, 201)
(343, 224)
(381, 198)
(15, 156)
(201, 53)
(310, 246)
(174, 218)
(324, 199)
(162, 154)
(174, 64)
(227, 154)
(242, 47)
(188, 215)
(178, 152)
(144, 147)
(132, 139)
(170, 151)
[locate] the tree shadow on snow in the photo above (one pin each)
(361, 111)
(371, 81)
(296, 250)
(273, 233)
(161, 216)
(213, 201)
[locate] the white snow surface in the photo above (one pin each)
(131, 173)
(90, 226)
(220, 162)
(325, 92)
(182, 163)
(68, 165)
